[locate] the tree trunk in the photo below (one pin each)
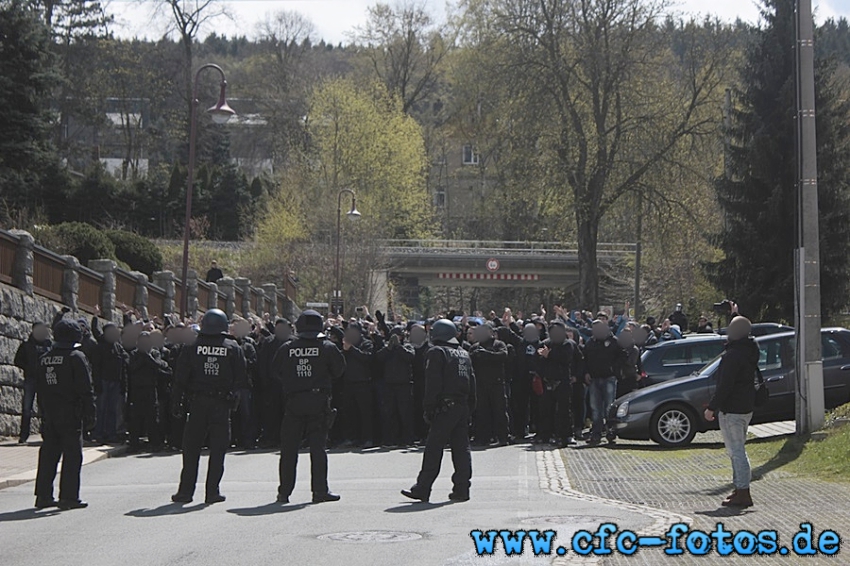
(588, 270)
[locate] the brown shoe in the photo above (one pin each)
(730, 497)
(741, 499)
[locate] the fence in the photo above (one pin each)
(50, 276)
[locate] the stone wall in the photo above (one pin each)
(17, 313)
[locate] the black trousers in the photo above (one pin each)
(520, 400)
(272, 413)
(556, 412)
(207, 416)
(60, 439)
(491, 414)
(358, 410)
(306, 414)
(397, 412)
(143, 418)
(420, 429)
(451, 427)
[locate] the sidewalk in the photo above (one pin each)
(693, 481)
(19, 462)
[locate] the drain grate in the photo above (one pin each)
(370, 537)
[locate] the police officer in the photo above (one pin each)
(208, 374)
(307, 367)
(449, 400)
(66, 398)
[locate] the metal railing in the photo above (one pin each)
(501, 247)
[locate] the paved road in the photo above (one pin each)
(130, 520)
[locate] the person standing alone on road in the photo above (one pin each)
(307, 368)
(66, 398)
(209, 373)
(733, 403)
(449, 400)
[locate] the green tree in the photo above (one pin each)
(759, 197)
(26, 80)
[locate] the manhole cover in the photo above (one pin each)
(567, 520)
(372, 536)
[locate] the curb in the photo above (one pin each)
(90, 456)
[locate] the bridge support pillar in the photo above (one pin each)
(379, 290)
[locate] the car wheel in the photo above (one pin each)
(673, 426)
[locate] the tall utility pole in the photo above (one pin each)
(810, 401)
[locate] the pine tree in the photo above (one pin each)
(26, 79)
(759, 198)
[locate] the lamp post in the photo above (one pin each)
(220, 113)
(353, 214)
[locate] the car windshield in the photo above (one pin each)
(709, 367)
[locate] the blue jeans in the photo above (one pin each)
(109, 402)
(734, 429)
(602, 393)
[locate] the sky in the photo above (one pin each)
(335, 19)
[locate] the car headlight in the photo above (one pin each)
(623, 410)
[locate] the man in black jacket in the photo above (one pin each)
(603, 359)
(527, 366)
(271, 415)
(109, 363)
(146, 367)
(419, 341)
(396, 360)
(449, 400)
(357, 385)
(559, 362)
(67, 402)
(307, 367)
(733, 402)
(26, 358)
(489, 358)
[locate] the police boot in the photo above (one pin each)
(459, 497)
(181, 498)
(325, 497)
(68, 504)
(46, 503)
(214, 498)
(414, 493)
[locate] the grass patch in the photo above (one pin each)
(823, 459)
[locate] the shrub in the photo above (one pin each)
(136, 251)
(83, 241)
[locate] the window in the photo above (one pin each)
(776, 354)
(675, 357)
(440, 198)
(470, 156)
(704, 353)
(831, 348)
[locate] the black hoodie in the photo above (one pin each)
(735, 392)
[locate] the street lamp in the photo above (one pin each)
(220, 113)
(352, 214)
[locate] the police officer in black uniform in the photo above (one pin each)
(66, 397)
(208, 375)
(307, 367)
(449, 400)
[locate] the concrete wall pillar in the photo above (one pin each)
(379, 289)
(165, 279)
(225, 284)
(71, 282)
(106, 267)
(140, 300)
(23, 268)
(212, 302)
(192, 287)
(244, 285)
(270, 289)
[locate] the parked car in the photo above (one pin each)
(765, 329)
(671, 413)
(678, 358)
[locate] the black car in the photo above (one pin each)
(678, 358)
(765, 329)
(671, 413)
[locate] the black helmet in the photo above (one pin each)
(444, 331)
(214, 322)
(310, 325)
(67, 333)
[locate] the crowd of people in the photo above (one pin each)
(539, 378)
